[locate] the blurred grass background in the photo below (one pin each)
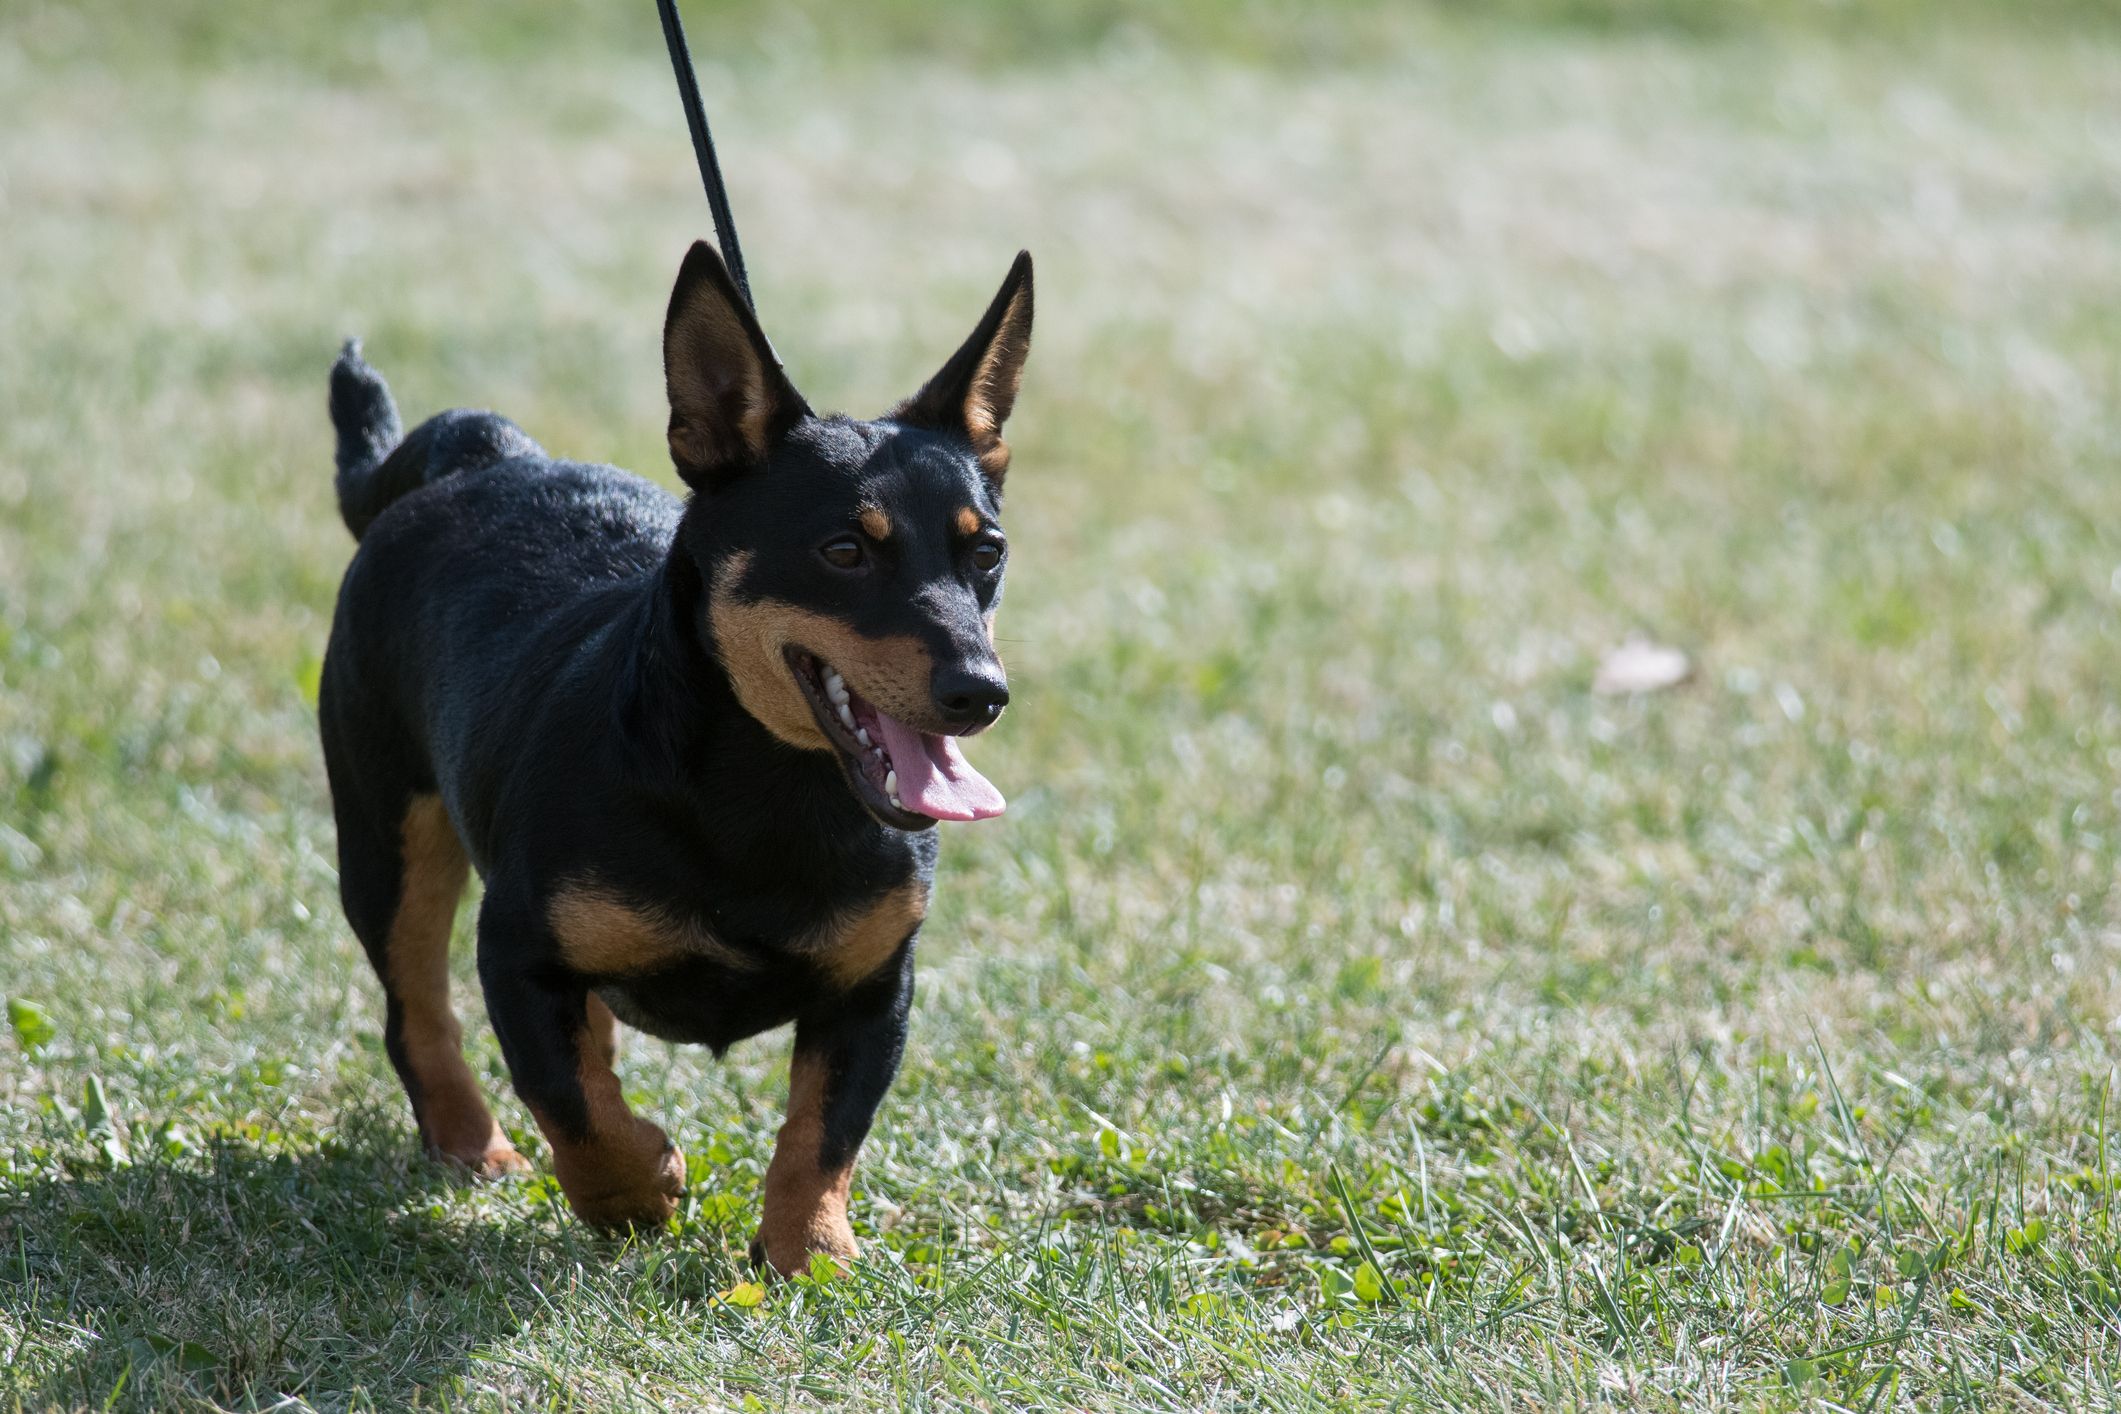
(1354, 1007)
(351, 41)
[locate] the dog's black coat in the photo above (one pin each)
(533, 641)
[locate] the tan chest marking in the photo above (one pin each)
(857, 942)
(601, 935)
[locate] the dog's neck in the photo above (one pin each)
(670, 664)
(676, 699)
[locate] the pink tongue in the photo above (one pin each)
(934, 778)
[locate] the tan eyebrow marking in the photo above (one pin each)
(875, 524)
(967, 521)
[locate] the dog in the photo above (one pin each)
(696, 750)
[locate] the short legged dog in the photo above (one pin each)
(695, 750)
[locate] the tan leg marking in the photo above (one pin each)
(854, 945)
(603, 1029)
(601, 935)
(454, 1121)
(625, 1173)
(805, 1208)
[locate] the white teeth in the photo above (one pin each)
(891, 785)
(847, 716)
(861, 734)
(835, 687)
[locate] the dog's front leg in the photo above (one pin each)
(846, 1054)
(617, 1169)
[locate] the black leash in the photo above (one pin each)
(703, 148)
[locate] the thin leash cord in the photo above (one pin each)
(703, 148)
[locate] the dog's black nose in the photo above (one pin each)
(971, 697)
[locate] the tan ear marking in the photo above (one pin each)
(729, 399)
(975, 390)
(699, 390)
(991, 394)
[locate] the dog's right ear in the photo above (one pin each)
(729, 400)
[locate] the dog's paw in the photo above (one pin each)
(789, 1254)
(494, 1160)
(497, 1163)
(634, 1191)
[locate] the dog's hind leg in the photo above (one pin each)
(401, 881)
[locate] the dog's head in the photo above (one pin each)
(851, 568)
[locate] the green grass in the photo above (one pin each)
(1353, 1009)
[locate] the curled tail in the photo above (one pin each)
(369, 431)
(378, 463)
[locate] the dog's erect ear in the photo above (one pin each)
(729, 400)
(976, 389)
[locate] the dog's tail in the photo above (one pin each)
(378, 463)
(369, 431)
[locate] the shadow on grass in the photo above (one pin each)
(352, 1275)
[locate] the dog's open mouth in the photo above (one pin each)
(908, 778)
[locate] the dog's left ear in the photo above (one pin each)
(729, 400)
(975, 390)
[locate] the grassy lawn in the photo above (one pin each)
(1354, 1008)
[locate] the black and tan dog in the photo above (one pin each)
(696, 750)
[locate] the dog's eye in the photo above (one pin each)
(986, 556)
(844, 553)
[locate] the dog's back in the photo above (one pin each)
(483, 566)
(378, 464)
